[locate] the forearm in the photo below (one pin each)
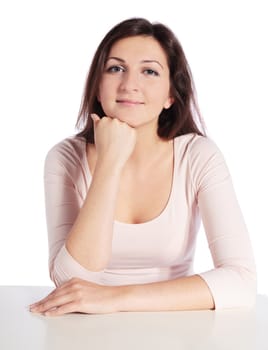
(90, 239)
(187, 293)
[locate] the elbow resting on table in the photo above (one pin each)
(64, 267)
(232, 287)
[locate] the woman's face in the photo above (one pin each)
(135, 84)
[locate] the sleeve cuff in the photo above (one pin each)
(231, 288)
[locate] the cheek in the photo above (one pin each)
(161, 99)
(105, 91)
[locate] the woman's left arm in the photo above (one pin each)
(232, 282)
(76, 295)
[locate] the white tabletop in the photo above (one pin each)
(239, 329)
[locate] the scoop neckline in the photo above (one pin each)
(168, 203)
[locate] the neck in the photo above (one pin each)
(148, 145)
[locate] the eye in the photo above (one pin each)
(115, 69)
(151, 72)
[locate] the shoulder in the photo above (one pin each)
(68, 151)
(196, 146)
(206, 163)
(69, 145)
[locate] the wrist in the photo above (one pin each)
(107, 166)
(124, 294)
(111, 161)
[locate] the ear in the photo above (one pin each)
(168, 102)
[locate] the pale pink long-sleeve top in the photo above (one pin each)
(162, 248)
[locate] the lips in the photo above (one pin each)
(129, 102)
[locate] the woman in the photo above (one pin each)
(124, 197)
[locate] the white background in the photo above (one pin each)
(46, 49)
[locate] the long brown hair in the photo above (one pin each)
(182, 117)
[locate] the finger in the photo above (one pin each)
(42, 300)
(53, 302)
(56, 293)
(50, 295)
(95, 118)
(63, 309)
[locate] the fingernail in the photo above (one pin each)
(95, 117)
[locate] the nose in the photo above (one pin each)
(129, 81)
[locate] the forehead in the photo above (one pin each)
(139, 47)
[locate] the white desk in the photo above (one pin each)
(237, 329)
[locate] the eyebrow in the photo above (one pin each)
(143, 61)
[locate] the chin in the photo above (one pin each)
(131, 121)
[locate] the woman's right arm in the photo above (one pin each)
(89, 241)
